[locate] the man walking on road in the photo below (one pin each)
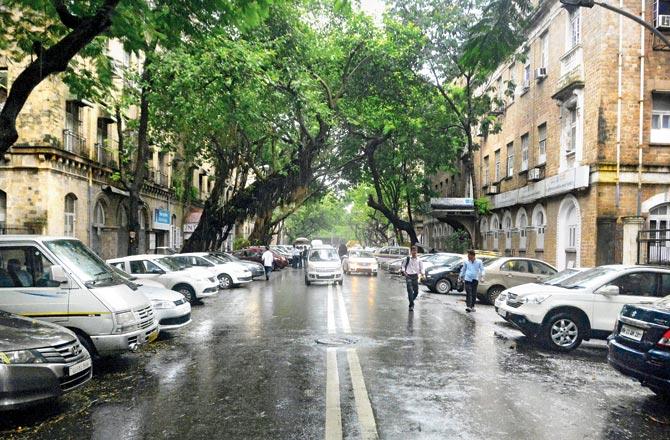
(268, 260)
(412, 268)
(472, 273)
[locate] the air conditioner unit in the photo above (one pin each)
(493, 189)
(534, 174)
(540, 73)
(663, 22)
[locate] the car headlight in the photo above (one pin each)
(125, 322)
(160, 304)
(534, 299)
(502, 297)
(21, 357)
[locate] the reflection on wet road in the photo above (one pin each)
(250, 367)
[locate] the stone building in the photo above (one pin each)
(59, 178)
(582, 163)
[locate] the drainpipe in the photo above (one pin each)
(641, 122)
(619, 108)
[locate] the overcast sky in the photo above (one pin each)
(375, 8)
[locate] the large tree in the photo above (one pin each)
(53, 32)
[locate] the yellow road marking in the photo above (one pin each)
(366, 418)
(333, 411)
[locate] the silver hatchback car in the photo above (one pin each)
(503, 273)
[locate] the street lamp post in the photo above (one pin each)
(635, 18)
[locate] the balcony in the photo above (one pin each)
(572, 72)
(104, 153)
(74, 143)
(159, 177)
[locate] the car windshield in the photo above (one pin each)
(560, 276)
(361, 254)
(82, 261)
(324, 255)
(204, 261)
(172, 263)
(590, 277)
(216, 259)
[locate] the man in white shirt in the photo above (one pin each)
(412, 268)
(268, 260)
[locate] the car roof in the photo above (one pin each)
(35, 237)
(138, 257)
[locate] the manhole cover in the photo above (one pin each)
(332, 342)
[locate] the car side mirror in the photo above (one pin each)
(58, 275)
(157, 271)
(609, 290)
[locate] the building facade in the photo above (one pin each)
(61, 176)
(581, 164)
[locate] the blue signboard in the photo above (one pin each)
(161, 219)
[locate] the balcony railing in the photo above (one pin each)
(159, 177)
(104, 153)
(74, 143)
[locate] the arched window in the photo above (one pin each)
(99, 216)
(539, 224)
(522, 224)
(70, 214)
(483, 230)
(507, 227)
(495, 227)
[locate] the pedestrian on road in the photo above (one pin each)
(412, 269)
(268, 261)
(472, 273)
(296, 258)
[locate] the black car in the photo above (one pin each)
(444, 278)
(38, 361)
(640, 345)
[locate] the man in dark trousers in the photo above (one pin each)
(412, 268)
(472, 273)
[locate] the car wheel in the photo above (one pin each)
(443, 286)
(563, 332)
(225, 282)
(88, 345)
(187, 291)
(340, 282)
(307, 283)
(493, 293)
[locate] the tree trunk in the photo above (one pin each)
(50, 61)
(143, 154)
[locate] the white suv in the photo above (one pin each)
(583, 306)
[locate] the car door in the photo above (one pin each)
(26, 287)
(515, 272)
(540, 270)
(145, 270)
(639, 287)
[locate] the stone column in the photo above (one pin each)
(631, 226)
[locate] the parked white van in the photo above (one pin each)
(58, 279)
(323, 266)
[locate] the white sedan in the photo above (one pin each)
(194, 283)
(229, 274)
(359, 261)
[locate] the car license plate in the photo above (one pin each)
(630, 332)
(78, 368)
(152, 336)
(501, 312)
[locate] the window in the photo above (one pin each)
(99, 215)
(515, 266)
(510, 159)
(542, 144)
(497, 166)
(665, 285)
(25, 266)
(637, 284)
(526, 77)
(539, 228)
(73, 117)
(660, 119)
(3, 211)
(500, 92)
(486, 171)
(522, 224)
(572, 236)
(525, 140)
(574, 28)
(570, 129)
(70, 214)
(544, 49)
(541, 268)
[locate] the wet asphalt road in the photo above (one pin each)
(249, 367)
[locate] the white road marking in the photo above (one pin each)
(333, 411)
(331, 311)
(344, 318)
(366, 418)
